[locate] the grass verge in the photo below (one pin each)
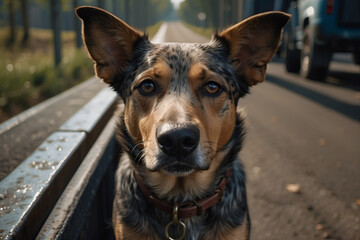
(206, 32)
(28, 75)
(152, 30)
(27, 72)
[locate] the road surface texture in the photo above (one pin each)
(300, 132)
(301, 152)
(308, 134)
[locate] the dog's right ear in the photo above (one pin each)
(253, 42)
(109, 41)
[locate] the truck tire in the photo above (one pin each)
(356, 57)
(292, 57)
(315, 59)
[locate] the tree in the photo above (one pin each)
(127, 11)
(25, 21)
(219, 13)
(11, 8)
(100, 3)
(77, 26)
(55, 9)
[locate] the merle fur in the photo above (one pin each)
(136, 211)
(214, 55)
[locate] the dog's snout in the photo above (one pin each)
(179, 141)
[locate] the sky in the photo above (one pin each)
(176, 3)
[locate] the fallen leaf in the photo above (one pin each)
(358, 202)
(322, 142)
(256, 169)
(325, 235)
(274, 120)
(293, 188)
(357, 95)
(319, 227)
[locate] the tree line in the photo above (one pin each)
(216, 14)
(138, 13)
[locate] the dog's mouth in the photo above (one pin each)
(178, 169)
(179, 166)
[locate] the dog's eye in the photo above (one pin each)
(147, 86)
(212, 88)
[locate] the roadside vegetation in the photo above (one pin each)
(28, 74)
(152, 30)
(206, 32)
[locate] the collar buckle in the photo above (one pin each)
(220, 192)
(174, 223)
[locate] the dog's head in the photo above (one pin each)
(180, 99)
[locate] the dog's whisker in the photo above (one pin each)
(137, 145)
(141, 154)
(210, 148)
(212, 143)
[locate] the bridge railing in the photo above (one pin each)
(64, 189)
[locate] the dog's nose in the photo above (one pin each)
(179, 141)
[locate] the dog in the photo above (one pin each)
(179, 175)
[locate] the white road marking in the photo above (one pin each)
(160, 35)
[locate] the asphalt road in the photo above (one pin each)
(304, 133)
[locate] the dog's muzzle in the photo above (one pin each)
(178, 142)
(180, 153)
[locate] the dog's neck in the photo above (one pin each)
(185, 209)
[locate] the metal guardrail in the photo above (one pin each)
(23, 116)
(42, 196)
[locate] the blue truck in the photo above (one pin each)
(319, 28)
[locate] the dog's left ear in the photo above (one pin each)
(253, 42)
(109, 40)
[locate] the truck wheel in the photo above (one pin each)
(315, 59)
(292, 58)
(356, 57)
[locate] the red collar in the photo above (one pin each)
(186, 209)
